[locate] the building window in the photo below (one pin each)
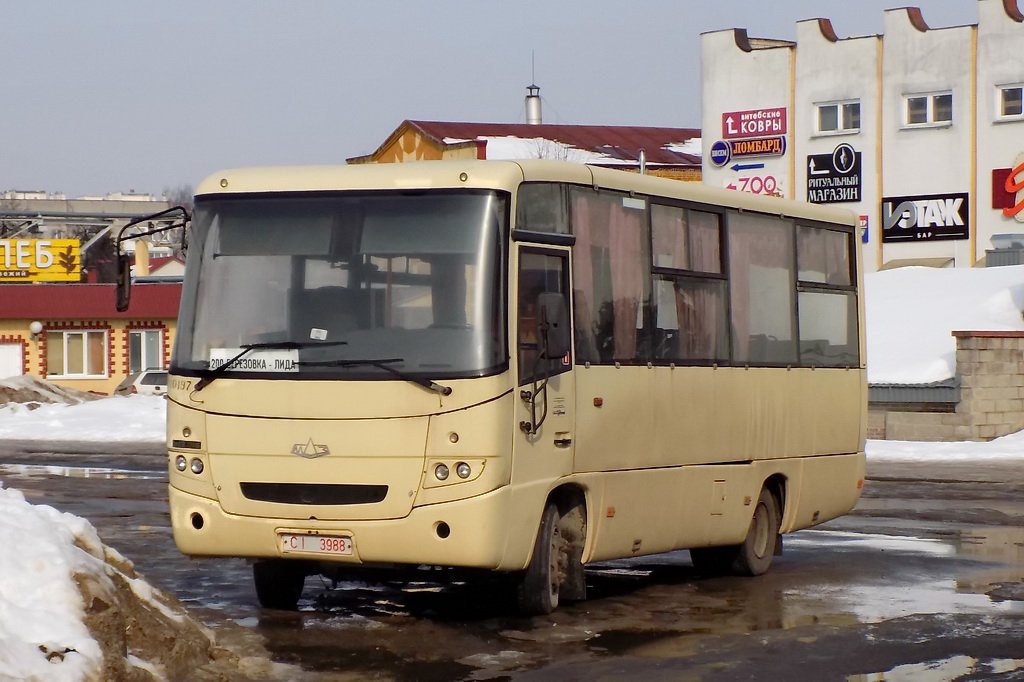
(145, 350)
(838, 117)
(931, 109)
(76, 353)
(1011, 101)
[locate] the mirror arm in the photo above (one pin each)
(124, 279)
(539, 366)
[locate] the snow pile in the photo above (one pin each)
(41, 614)
(1010, 447)
(510, 147)
(31, 392)
(910, 314)
(122, 419)
(73, 609)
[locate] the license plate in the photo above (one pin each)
(316, 544)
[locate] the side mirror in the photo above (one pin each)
(554, 325)
(124, 281)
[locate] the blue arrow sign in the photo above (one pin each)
(746, 166)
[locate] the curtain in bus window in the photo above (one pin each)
(611, 285)
(700, 306)
(823, 256)
(669, 238)
(691, 314)
(761, 289)
(583, 278)
(704, 242)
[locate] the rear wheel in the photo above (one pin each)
(754, 555)
(279, 583)
(538, 588)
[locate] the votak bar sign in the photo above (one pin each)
(925, 218)
(40, 260)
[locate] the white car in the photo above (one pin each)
(147, 382)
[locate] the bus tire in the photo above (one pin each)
(538, 588)
(279, 583)
(754, 556)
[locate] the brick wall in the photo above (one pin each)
(990, 366)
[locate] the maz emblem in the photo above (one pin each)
(310, 450)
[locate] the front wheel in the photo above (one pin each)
(279, 583)
(538, 588)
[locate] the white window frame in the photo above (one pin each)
(841, 128)
(930, 98)
(84, 333)
(1001, 90)
(146, 362)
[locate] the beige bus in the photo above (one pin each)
(515, 368)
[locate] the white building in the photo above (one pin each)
(920, 131)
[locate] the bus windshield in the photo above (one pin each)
(370, 285)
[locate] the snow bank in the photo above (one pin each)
(28, 390)
(41, 613)
(911, 314)
(122, 419)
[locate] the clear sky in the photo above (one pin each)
(116, 95)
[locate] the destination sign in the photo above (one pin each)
(256, 360)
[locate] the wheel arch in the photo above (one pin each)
(571, 500)
(777, 484)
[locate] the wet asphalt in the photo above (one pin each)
(924, 581)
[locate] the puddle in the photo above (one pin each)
(1002, 543)
(954, 668)
(919, 586)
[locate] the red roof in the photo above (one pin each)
(618, 142)
(86, 301)
(160, 261)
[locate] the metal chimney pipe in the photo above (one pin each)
(643, 161)
(533, 115)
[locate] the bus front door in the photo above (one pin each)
(545, 409)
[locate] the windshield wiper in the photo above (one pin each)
(273, 345)
(383, 364)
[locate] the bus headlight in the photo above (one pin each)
(441, 472)
(180, 463)
(463, 470)
(197, 466)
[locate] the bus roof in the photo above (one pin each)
(499, 174)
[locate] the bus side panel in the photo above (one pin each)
(826, 488)
(705, 415)
(657, 510)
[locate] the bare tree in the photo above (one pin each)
(182, 195)
(9, 225)
(552, 149)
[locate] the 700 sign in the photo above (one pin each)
(771, 185)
